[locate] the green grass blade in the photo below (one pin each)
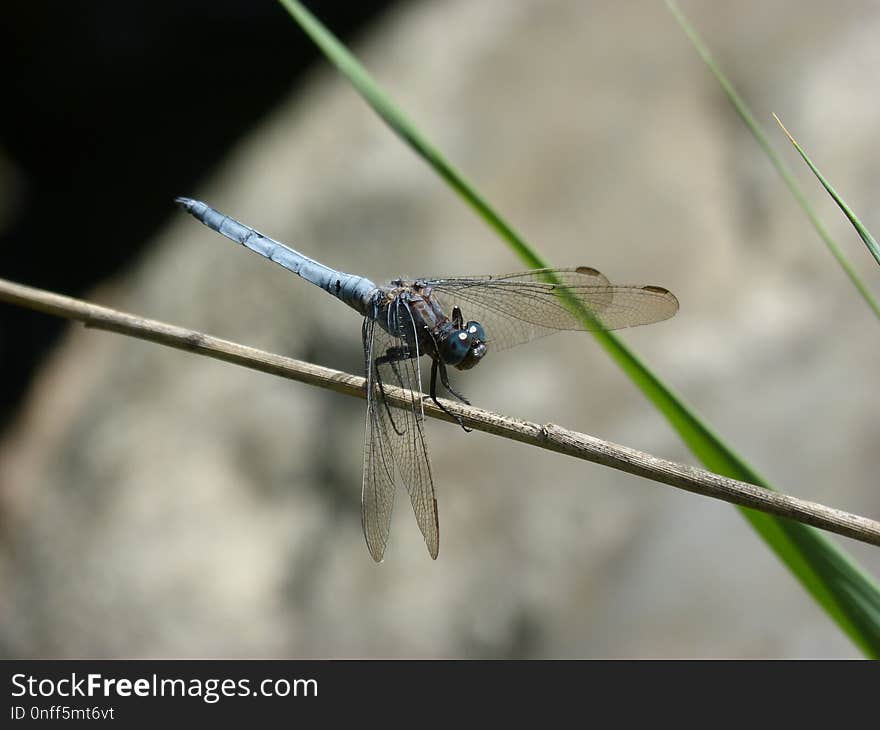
(785, 173)
(863, 232)
(831, 577)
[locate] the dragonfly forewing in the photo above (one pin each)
(395, 448)
(377, 488)
(519, 307)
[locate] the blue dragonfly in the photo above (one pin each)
(405, 320)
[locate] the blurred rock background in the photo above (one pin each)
(156, 503)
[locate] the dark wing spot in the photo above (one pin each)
(588, 271)
(656, 289)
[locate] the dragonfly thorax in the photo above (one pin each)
(410, 312)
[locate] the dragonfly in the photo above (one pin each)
(455, 321)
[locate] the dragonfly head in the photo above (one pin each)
(465, 347)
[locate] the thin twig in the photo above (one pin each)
(554, 438)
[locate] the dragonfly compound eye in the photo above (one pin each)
(456, 347)
(476, 338)
(475, 330)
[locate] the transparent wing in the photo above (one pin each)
(516, 308)
(377, 489)
(394, 446)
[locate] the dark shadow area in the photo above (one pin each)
(110, 110)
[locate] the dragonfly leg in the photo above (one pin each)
(444, 378)
(391, 357)
(457, 318)
(435, 366)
